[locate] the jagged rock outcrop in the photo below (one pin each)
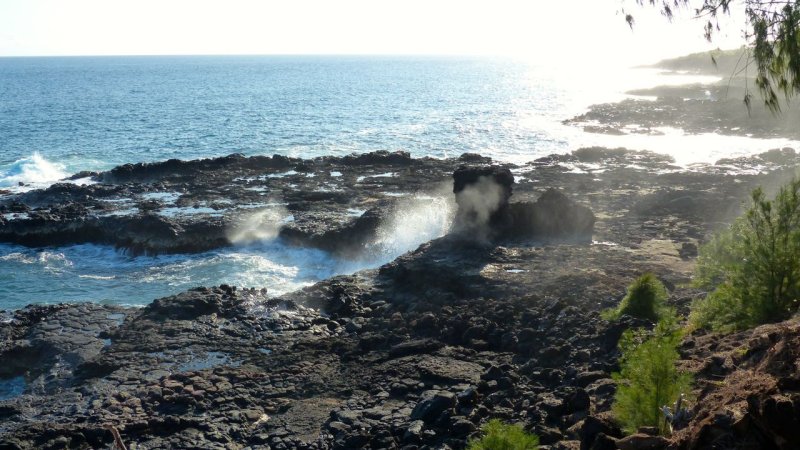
(485, 212)
(331, 203)
(552, 217)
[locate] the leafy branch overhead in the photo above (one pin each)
(772, 33)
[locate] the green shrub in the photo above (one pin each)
(500, 436)
(648, 378)
(753, 267)
(645, 299)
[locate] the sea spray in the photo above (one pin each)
(414, 221)
(482, 195)
(32, 170)
(476, 205)
(259, 225)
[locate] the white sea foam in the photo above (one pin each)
(18, 257)
(85, 181)
(102, 274)
(166, 197)
(175, 211)
(15, 216)
(97, 277)
(33, 171)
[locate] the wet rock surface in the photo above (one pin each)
(415, 354)
(332, 203)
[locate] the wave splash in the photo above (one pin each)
(32, 170)
(416, 220)
(259, 226)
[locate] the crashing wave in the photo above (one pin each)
(32, 171)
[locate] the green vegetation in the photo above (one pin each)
(645, 299)
(753, 267)
(500, 436)
(648, 378)
(772, 33)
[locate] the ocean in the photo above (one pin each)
(59, 116)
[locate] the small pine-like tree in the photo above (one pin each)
(500, 436)
(645, 299)
(753, 267)
(648, 378)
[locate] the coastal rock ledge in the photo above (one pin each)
(417, 353)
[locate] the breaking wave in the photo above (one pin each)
(34, 171)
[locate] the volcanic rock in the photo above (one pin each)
(418, 352)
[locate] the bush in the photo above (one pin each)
(645, 299)
(648, 378)
(500, 436)
(753, 267)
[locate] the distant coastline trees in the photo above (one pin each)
(772, 33)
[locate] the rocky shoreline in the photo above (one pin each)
(414, 354)
(696, 108)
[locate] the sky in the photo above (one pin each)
(558, 31)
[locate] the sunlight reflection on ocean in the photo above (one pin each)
(94, 113)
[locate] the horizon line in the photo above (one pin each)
(102, 55)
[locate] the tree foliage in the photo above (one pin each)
(772, 33)
(648, 378)
(753, 266)
(500, 436)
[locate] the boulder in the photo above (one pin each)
(432, 404)
(484, 210)
(191, 304)
(554, 216)
(642, 442)
(593, 426)
(413, 433)
(778, 417)
(380, 157)
(415, 346)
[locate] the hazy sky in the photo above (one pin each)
(554, 29)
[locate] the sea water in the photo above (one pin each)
(59, 116)
(102, 274)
